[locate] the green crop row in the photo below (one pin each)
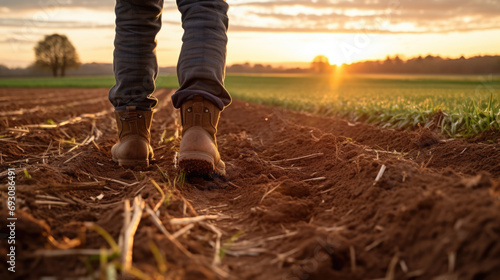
(464, 106)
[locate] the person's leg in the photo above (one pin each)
(135, 67)
(202, 96)
(134, 58)
(202, 61)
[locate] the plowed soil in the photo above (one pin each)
(300, 200)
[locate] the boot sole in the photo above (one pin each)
(201, 163)
(132, 163)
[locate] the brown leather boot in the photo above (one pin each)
(198, 152)
(134, 133)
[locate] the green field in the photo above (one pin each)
(470, 103)
(78, 82)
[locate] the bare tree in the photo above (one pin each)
(56, 53)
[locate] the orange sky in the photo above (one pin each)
(271, 31)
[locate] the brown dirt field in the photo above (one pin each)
(300, 200)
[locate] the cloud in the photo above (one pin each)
(437, 29)
(32, 23)
(377, 16)
(334, 16)
(12, 40)
(28, 5)
(32, 5)
(485, 6)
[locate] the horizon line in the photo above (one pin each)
(284, 63)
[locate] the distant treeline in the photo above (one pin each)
(88, 69)
(429, 65)
(261, 68)
(391, 65)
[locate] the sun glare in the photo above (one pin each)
(335, 60)
(337, 75)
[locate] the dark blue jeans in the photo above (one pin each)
(202, 62)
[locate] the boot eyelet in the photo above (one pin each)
(206, 110)
(139, 116)
(189, 110)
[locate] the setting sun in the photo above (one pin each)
(336, 60)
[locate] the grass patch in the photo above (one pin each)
(228, 243)
(169, 81)
(470, 103)
(27, 175)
